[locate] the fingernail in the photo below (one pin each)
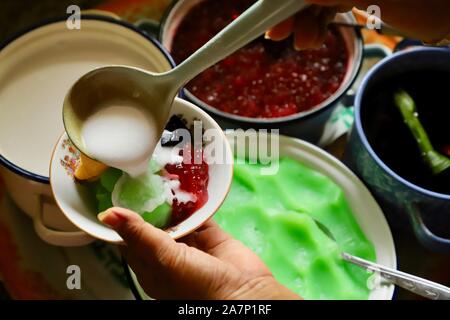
(101, 215)
(110, 218)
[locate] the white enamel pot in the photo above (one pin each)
(37, 68)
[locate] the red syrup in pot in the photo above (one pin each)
(194, 180)
(265, 79)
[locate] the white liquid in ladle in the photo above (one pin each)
(121, 136)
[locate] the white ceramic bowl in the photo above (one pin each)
(74, 202)
(36, 70)
(366, 210)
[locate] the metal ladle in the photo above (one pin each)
(155, 92)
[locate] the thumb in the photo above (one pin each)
(138, 235)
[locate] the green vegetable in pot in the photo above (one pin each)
(437, 162)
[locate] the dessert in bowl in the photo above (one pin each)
(179, 192)
(273, 214)
(266, 84)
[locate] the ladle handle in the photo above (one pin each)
(263, 15)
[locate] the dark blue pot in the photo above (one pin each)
(401, 200)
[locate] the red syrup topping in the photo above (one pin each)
(194, 180)
(265, 79)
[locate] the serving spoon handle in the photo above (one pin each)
(419, 286)
(261, 16)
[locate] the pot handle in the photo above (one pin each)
(423, 233)
(376, 50)
(370, 51)
(341, 120)
(56, 237)
(149, 26)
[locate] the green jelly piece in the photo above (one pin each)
(97, 187)
(103, 202)
(109, 178)
(160, 217)
(273, 215)
(154, 166)
(136, 192)
(102, 196)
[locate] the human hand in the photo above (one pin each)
(427, 20)
(309, 26)
(207, 264)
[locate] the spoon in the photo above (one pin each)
(419, 286)
(154, 92)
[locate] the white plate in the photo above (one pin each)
(366, 210)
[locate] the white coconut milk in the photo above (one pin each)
(121, 136)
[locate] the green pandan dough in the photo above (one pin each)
(273, 216)
(160, 217)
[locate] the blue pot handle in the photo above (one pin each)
(149, 26)
(424, 234)
(370, 51)
(376, 50)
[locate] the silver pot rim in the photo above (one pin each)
(355, 67)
